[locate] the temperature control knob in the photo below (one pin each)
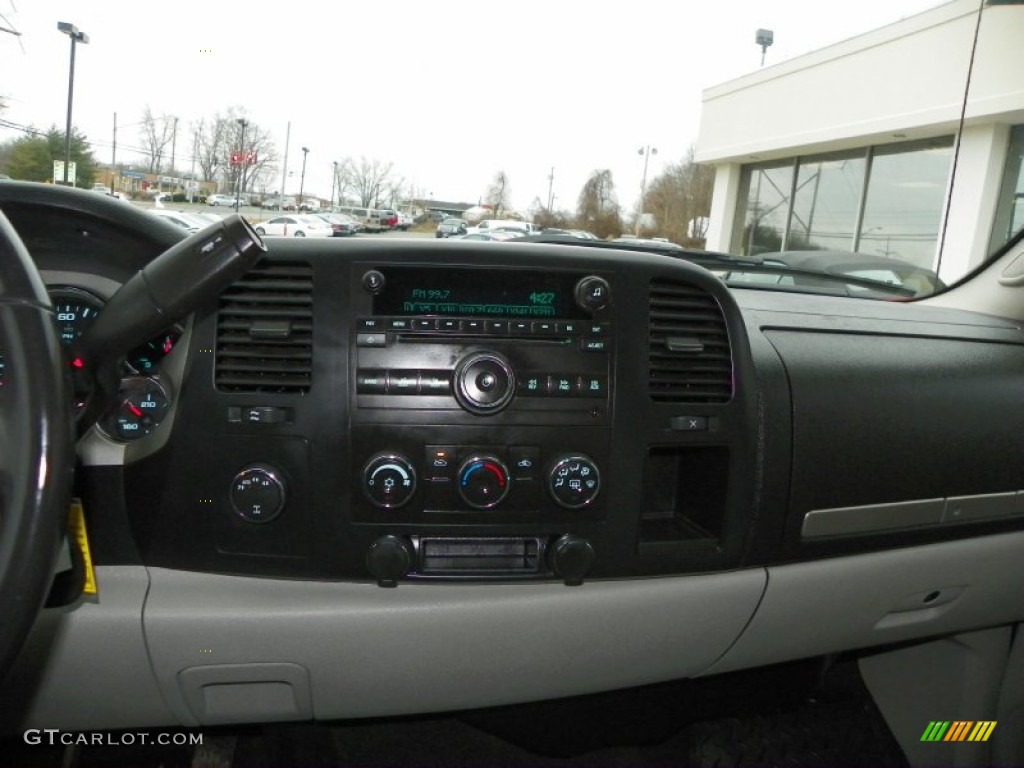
(574, 481)
(257, 494)
(483, 481)
(389, 480)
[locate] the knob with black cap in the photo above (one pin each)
(592, 293)
(571, 557)
(389, 559)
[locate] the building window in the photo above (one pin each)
(826, 202)
(1010, 209)
(905, 200)
(765, 199)
(884, 201)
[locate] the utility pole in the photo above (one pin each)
(646, 152)
(192, 173)
(284, 170)
(551, 181)
(240, 179)
(174, 143)
(113, 157)
(334, 181)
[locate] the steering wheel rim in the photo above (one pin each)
(36, 444)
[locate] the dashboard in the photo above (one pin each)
(603, 468)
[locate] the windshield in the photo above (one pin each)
(775, 130)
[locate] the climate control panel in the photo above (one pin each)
(492, 484)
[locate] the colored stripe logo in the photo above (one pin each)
(959, 730)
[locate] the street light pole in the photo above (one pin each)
(77, 36)
(244, 158)
(646, 152)
(334, 181)
(302, 179)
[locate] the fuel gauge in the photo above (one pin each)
(143, 404)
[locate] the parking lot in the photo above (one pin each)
(256, 215)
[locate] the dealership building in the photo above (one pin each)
(855, 146)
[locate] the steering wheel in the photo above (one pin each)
(36, 444)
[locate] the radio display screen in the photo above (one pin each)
(477, 293)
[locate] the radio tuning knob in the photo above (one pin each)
(592, 293)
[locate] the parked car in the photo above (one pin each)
(341, 225)
(388, 218)
(405, 220)
(275, 204)
(496, 235)
(526, 227)
(369, 218)
(225, 200)
(190, 222)
(295, 226)
(451, 227)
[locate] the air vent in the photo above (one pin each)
(265, 330)
(690, 360)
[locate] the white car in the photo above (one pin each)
(295, 226)
(190, 222)
(224, 200)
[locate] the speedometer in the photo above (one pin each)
(75, 310)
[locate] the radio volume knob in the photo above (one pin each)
(592, 293)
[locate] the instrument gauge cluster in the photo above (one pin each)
(144, 398)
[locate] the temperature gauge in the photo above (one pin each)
(143, 405)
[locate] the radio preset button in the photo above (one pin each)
(449, 325)
(473, 326)
(544, 328)
(496, 327)
(520, 327)
(424, 324)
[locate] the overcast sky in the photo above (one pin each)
(449, 92)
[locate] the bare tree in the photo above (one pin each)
(156, 134)
(680, 199)
(597, 209)
(367, 180)
(498, 194)
(216, 138)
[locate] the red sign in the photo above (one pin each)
(239, 157)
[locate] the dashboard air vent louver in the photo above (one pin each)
(690, 359)
(265, 330)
